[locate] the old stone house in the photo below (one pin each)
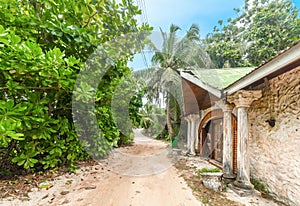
(246, 121)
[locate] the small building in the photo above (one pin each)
(247, 122)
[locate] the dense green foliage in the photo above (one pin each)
(153, 119)
(44, 45)
(136, 105)
(260, 31)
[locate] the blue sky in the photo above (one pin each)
(205, 13)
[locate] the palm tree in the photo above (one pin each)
(164, 75)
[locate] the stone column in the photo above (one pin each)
(192, 141)
(242, 100)
(187, 118)
(195, 119)
(227, 139)
(197, 123)
(192, 133)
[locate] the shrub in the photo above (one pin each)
(44, 45)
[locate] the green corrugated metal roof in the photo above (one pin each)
(220, 78)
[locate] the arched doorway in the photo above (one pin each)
(211, 137)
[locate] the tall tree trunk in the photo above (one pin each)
(169, 122)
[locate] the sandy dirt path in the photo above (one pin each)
(138, 175)
(142, 175)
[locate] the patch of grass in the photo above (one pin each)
(45, 186)
(259, 185)
(205, 200)
(68, 182)
(208, 170)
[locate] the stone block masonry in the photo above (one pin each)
(275, 149)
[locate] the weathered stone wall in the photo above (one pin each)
(275, 151)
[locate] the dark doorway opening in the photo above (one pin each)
(213, 140)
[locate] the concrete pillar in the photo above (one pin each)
(187, 118)
(227, 139)
(195, 121)
(193, 124)
(192, 142)
(242, 100)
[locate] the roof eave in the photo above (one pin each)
(277, 63)
(191, 78)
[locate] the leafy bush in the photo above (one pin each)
(44, 45)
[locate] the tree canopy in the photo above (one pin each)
(262, 29)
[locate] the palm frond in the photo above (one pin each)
(193, 34)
